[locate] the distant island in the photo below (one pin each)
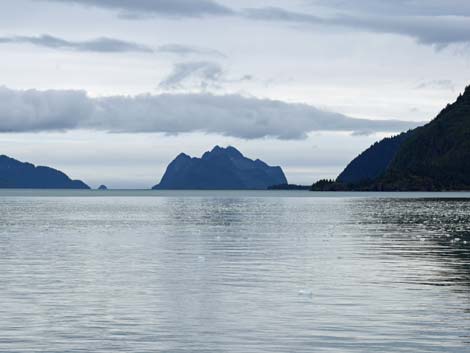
(220, 169)
(19, 175)
(433, 157)
(102, 187)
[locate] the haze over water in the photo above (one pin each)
(234, 272)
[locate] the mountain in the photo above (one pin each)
(102, 187)
(374, 161)
(15, 174)
(436, 156)
(221, 168)
(432, 157)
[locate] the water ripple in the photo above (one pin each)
(234, 274)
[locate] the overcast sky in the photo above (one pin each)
(110, 91)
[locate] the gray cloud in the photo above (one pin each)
(435, 30)
(438, 84)
(201, 74)
(32, 110)
(432, 22)
(399, 7)
(229, 115)
(139, 8)
(111, 45)
(101, 45)
(187, 50)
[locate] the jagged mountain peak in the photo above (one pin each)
(220, 168)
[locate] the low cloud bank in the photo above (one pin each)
(229, 115)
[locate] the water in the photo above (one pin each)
(234, 272)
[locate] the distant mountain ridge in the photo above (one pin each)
(15, 175)
(432, 157)
(220, 169)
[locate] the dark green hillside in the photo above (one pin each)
(436, 156)
(374, 161)
(433, 157)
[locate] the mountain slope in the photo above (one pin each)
(221, 168)
(373, 162)
(15, 174)
(437, 155)
(432, 157)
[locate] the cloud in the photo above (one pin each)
(109, 45)
(438, 84)
(32, 110)
(399, 7)
(439, 31)
(201, 74)
(100, 45)
(187, 50)
(138, 8)
(229, 115)
(432, 22)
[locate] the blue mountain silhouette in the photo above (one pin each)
(15, 174)
(220, 169)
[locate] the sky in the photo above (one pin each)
(110, 91)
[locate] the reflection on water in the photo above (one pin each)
(232, 273)
(435, 229)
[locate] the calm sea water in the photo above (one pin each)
(234, 272)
